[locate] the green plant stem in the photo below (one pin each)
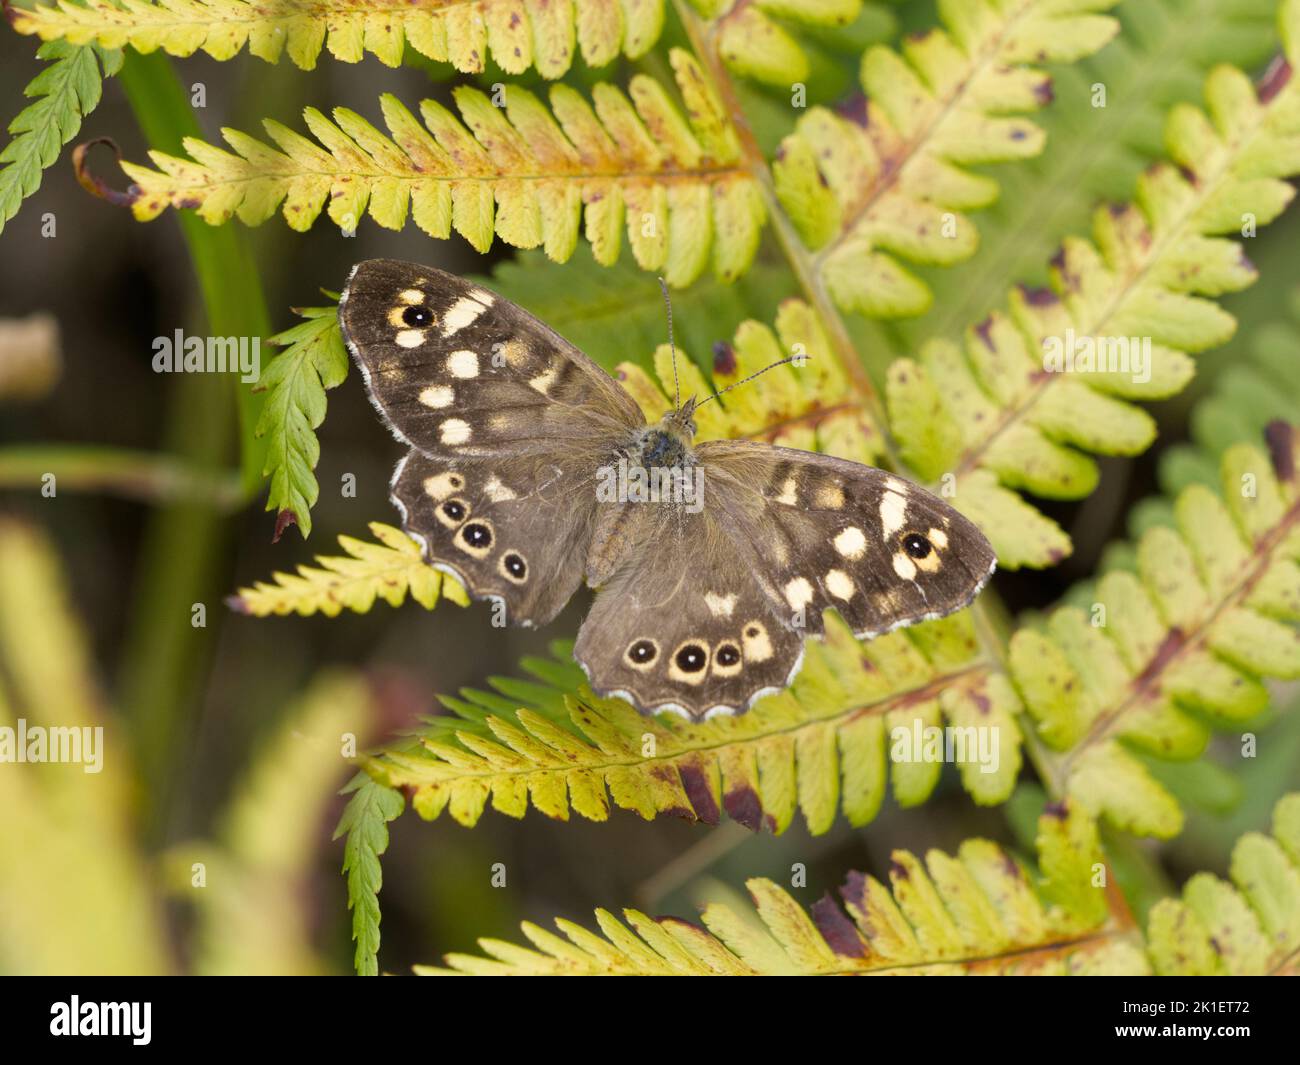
(182, 549)
(118, 471)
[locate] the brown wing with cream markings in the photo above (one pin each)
(508, 423)
(456, 370)
(882, 551)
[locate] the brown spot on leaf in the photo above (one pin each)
(283, 520)
(724, 358)
(744, 806)
(837, 929)
(1275, 79)
(1280, 438)
(1039, 295)
(855, 110)
(854, 890)
(699, 793)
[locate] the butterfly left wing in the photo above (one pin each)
(882, 551)
(507, 421)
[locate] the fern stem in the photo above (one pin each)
(791, 246)
(135, 474)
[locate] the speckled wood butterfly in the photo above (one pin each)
(706, 590)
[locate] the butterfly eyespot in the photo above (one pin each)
(728, 654)
(477, 535)
(917, 545)
(515, 567)
(642, 652)
(753, 632)
(692, 658)
(455, 509)
(417, 317)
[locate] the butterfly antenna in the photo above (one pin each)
(770, 366)
(677, 392)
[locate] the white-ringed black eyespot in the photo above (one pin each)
(642, 652)
(417, 317)
(727, 655)
(454, 509)
(476, 534)
(916, 545)
(692, 658)
(515, 566)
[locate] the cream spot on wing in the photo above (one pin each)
(789, 492)
(893, 512)
(483, 296)
(409, 338)
(500, 422)
(395, 318)
(938, 537)
(497, 492)
(728, 649)
(720, 606)
(830, 497)
(462, 313)
(515, 352)
(850, 542)
(437, 396)
(441, 485)
(462, 364)
(840, 584)
(543, 381)
(904, 566)
(411, 295)
(692, 677)
(454, 431)
(893, 484)
(798, 593)
(758, 647)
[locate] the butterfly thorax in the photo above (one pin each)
(668, 443)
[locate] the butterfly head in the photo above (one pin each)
(681, 422)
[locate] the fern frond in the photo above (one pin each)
(1095, 153)
(616, 312)
(890, 182)
(365, 821)
(1249, 927)
(67, 91)
(753, 41)
(1177, 647)
(517, 34)
(529, 173)
(822, 745)
(978, 912)
(313, 360)
(997, 416)
(388, 570)
(802, 405)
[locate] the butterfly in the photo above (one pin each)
(530, 471)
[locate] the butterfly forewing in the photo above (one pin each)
(456, 370)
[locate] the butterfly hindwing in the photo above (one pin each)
(511, 528)
(880, 550)
(682, 625)
(456, 370)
